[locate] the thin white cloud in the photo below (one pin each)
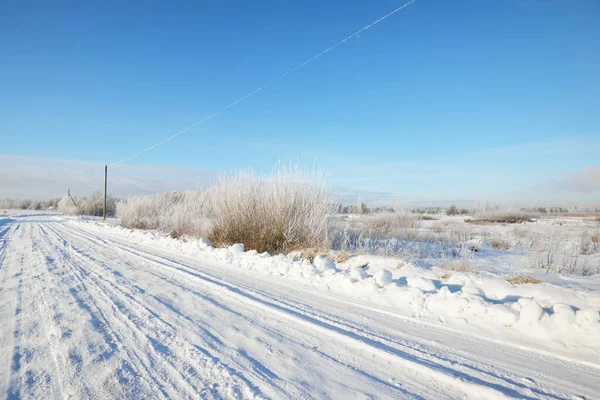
(41, 178)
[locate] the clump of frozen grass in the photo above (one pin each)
(560, 253)
(281, 212)
(499, 244)
(398, 235)
(176, 213)
(524, 279)
(284, 211)
(457, 267)
(393, 223)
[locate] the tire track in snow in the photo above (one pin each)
(135, 366)
(248, 367)
(28, 328)
(517, 385)
(247, 363)
(11, 339)
(78, 236)
(162, 355)
(470, 384)
(94, 360)
(49, 331)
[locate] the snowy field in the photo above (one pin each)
(93, 310)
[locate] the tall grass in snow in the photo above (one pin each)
(284, 211)
(280, 212)
(176, 213)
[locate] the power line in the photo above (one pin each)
(252, 93)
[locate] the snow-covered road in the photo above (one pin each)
(87, 315)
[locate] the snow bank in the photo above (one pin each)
(563, 315)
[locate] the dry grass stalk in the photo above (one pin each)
(524, 279)
(310, 253)
(499, 244)
(458, 267)
(501, 218)
(282, 212)
(342, 257)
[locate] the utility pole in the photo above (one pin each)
(69, 194)
(105, 185)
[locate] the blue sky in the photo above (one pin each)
(443, 101)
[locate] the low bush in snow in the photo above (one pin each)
(92, 205)
(502, 217)
(284, 211)
(499, 244)
(524, 279)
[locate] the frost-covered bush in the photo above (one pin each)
(284, 211)
(281, 212)
(562, 253)
(15, 204)
(49, 204)
(398, 234)
(66, 206)
(176, 213)
(92, 205)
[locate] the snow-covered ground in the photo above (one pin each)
(94, 310)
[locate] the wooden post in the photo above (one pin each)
(71, 197)
(105, 185)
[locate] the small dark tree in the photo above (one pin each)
(452, 210)
(363, 208)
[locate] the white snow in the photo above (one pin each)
(383, 278)
(93, 310)
(358, 274)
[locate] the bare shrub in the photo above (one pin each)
(341, 257)
(284, 211)
(505, 217)
(393, 223)
(89, 205)
(452, 210)
(524, 279)
(310, 253)
(457, 267)
(588, 244)
(561, 253)
(499, 244)
(439, 228)
(520, 233)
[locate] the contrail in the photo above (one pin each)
(252, 93)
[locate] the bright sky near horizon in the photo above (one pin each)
(443, 101)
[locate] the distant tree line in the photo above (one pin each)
(29, 204)
(84, 205)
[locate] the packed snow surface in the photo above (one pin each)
(90, 310)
